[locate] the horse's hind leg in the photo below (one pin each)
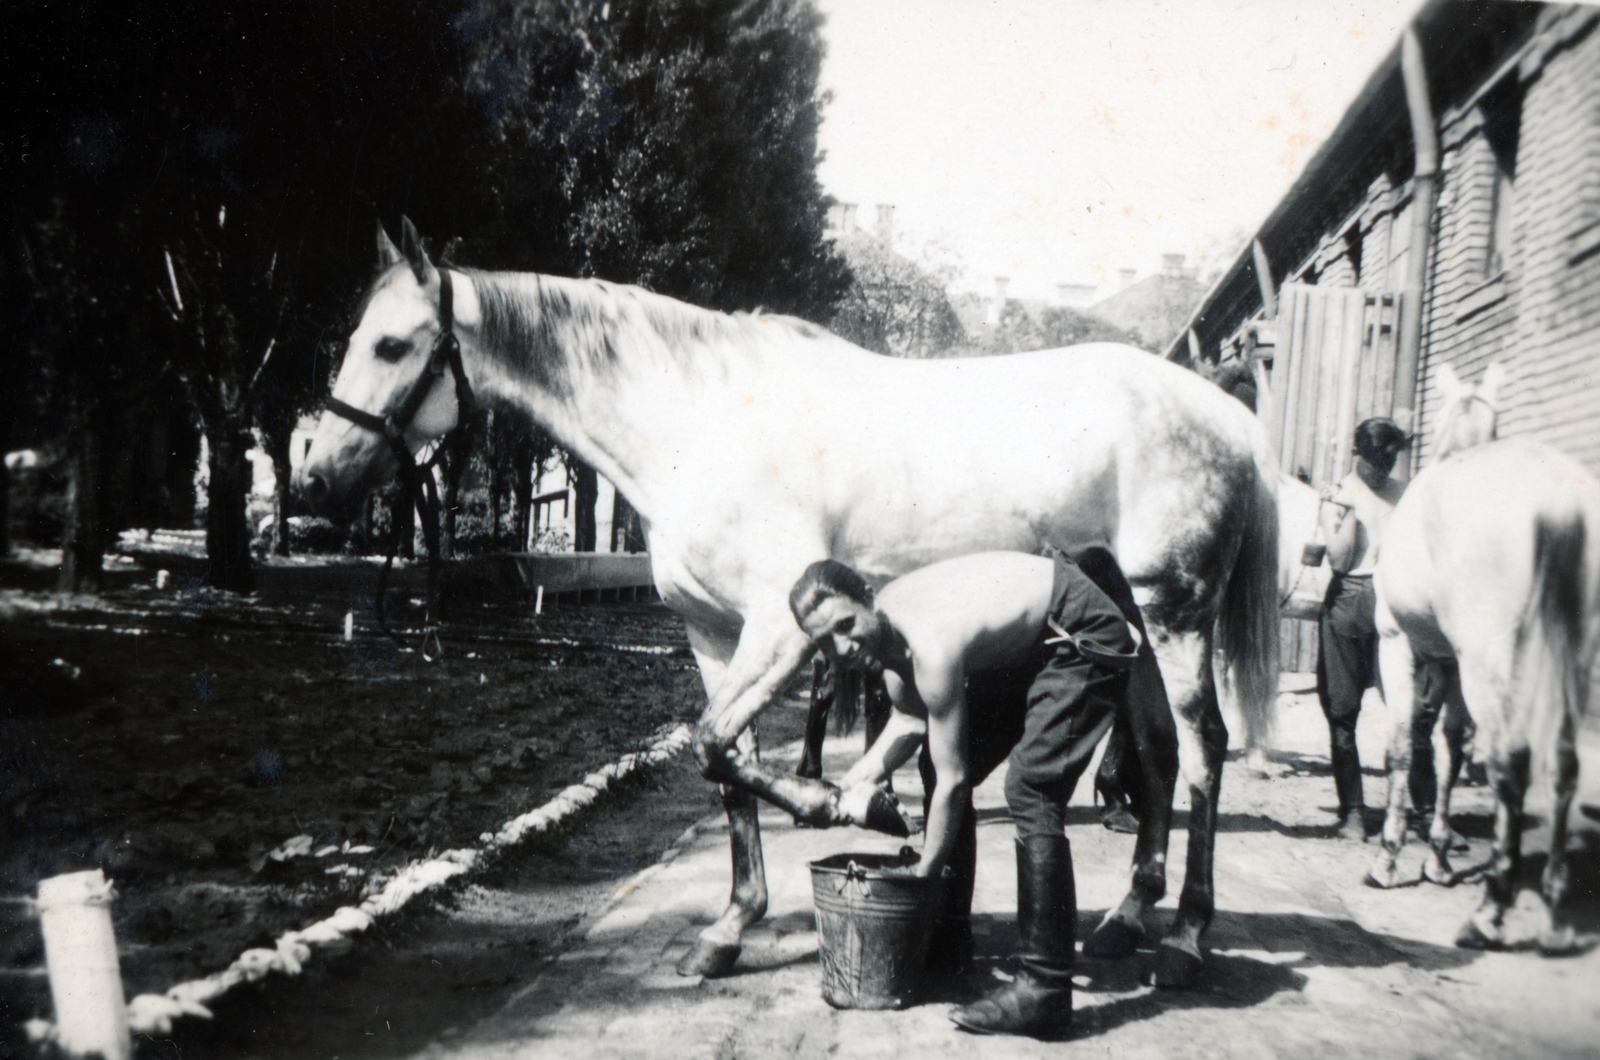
(1448, 738)
(1202, 747)
(1155, 742)
(1485, 929)
(1553, 937)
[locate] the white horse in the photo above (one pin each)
(1491, 566)
(753, 445)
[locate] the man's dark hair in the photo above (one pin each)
(1380, 440)
(825, 578)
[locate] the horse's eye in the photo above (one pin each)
(392, 350)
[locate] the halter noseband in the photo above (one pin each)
(446, 351)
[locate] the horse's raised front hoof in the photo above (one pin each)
(883, 815)
(1114, 940)
(1558, 941)
(1177, 966)
(1473, 937)
(709, 960)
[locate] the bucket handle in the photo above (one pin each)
(854, 872)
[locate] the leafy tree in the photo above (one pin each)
(892, 306)
(665, 143)
(1019, 330)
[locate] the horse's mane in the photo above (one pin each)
(547, 326)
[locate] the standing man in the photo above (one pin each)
(1352, 518)
(990, 654)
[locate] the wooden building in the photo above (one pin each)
(1453, 217)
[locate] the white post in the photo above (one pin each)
(161, 579)
(80, 951)
(349, 625)
(538, 601)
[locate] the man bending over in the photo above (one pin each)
(990, 654)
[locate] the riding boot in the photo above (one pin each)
(1038, 1002)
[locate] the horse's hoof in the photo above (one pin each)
(1472, 937)
(1558, 941)
(709, 960)
(1114, 940)
(1383, 875)
(1439, 872)
(1177, 967)
(883, 815)
(1120, 819)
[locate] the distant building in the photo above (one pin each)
(1511, 245)
(1155, 308)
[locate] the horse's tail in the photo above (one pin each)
(1551, 658)
(1247, 626)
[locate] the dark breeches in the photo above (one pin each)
(1347, 665)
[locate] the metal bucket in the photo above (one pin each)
(872, 929)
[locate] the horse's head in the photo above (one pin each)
(1469, 412)
(396, 389)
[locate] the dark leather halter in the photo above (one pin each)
(417, 479)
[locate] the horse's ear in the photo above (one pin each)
(411, 246)
(388, 254)
(1449, 385)
(1489, 388)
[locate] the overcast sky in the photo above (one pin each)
(1060, 140)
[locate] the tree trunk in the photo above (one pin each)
(403, 514)
(522, 488)
(83, 539)
(454, 466)
(586, 491)
(277, 445)
(5, 506)
(227, 524)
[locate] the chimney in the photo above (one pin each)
(847, 217)
(885, 230)
(1126, 277)
(992, 318)
(1172, 265)
(1074, 295)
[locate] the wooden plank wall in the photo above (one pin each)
(1334, 366)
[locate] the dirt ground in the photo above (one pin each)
(180, 739)
(239, 770)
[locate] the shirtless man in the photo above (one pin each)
(1352, 518)
(988, 655)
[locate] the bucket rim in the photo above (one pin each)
(868, 865)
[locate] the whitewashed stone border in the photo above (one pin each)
(154, 1013)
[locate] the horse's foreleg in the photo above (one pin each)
(1397, 667)
(1553, 937)
(717, 949)
(1202, 746)
(771, 650)
(1155, 738)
